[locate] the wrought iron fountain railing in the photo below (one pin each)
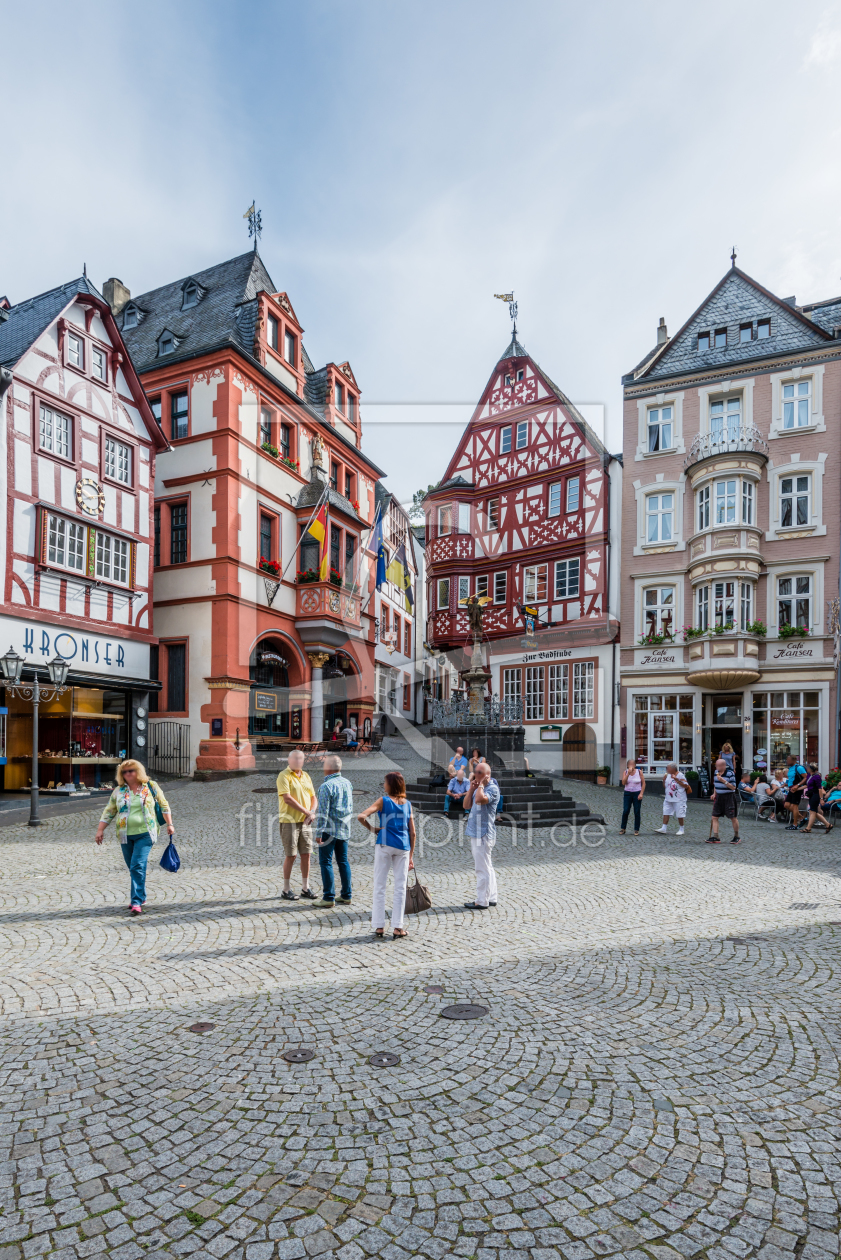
(456, 714)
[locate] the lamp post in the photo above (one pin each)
(11, 666)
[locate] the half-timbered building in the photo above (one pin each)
(523, 517)
(76, 483)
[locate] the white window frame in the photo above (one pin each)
(702, 607)
(748, 502)
(443, 605)
(503, 439)
(656, 402)
(445, 515)
(99, 355)
(795, 569)
(532, 574)
(564, 570)
(658, 511)
(794, 597)
(117, 460)
(657, 421)
(702, 507)
(464, 518)
(512, 684)
(722, 390)
(289, 337)
(66, 541)
(665, 602)
(573, 494)
(659, 486)
(493, 515)
(796, 468)
(482, 585)
(583, 690)
(554, 503)
(814, 373)
(534, 687)
(731, 415)
(796, 498)
(51, 425)
(501, 587)
(558, 693)
(112, 561)
(726, 500)
(75, 339)
(522, 434)
(746, 605)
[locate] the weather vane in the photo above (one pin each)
(512, 308)
(255, 222)
(733, 257)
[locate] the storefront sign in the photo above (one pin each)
(295, 721)
(658, 657)
(550, 732)
(86, 653)
(559, 654)
(794, 652)
(784, 721)
(265, 701)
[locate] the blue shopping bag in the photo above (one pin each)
(171, 861)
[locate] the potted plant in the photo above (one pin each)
(726, 628)
(758, 628)
(290, 462)
(602, 774)
(788, 631)
(306, 575)
(271, 567)
(692, 632)
(272, 450)
(692, 777)
(335, 577)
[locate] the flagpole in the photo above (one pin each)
(377, 516)
(364, 548)
(304, 533)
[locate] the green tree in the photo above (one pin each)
(416, 510)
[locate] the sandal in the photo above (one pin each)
(380, 932)
(621, 831)
(398, 934)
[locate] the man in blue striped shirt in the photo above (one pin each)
(332, 829)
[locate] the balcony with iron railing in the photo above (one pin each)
(728, 440)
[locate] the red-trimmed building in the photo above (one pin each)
(524, 515)
(76, 475)
(248, 646)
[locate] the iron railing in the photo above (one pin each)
(453, 714)
(725, 441)
(169, 748)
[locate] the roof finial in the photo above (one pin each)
(733, 258)
(255, 222)
(85, 270)
(512, 309)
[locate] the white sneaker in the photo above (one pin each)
(662, 829)
(680, 831)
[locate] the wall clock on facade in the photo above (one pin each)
(90, 496)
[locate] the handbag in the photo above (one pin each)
(170, 861)
(417, 897)
(159, 813)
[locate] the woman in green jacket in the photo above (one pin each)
(133, 804)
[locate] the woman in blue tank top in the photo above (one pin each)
(393, 850)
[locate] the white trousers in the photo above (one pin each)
(485, 873)
(397, 861)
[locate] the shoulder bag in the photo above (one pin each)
(159, 813)
(417, 897)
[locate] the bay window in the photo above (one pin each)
(84, 550)
(725, 502)
(66, 543)
(747, 502)
(444, 520)
(659, 511)
(724, 600)
(746, 602)
(443, 593)
(704, 508)
(702, 599)
(794, 601)
(795, 494)
(463, 589)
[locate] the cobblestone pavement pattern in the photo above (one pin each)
(657, 1076)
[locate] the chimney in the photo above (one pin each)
(116, 294)
(662, 333)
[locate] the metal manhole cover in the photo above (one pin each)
(384, 1060)
(201, 1027)
(298, 1056)
(736, 940)
(464, 1010)
(434, 988)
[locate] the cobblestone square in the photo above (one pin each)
(657, 1076)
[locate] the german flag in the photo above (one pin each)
(318, 529)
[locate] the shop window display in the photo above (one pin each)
(81, 739)
(785, 723)
(663, 728)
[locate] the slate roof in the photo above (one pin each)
(514, 350)
(27, 320)
(224, 315)
(738, 299)
(312, 492)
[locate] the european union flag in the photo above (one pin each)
(379, 547)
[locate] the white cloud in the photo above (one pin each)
(826, 41)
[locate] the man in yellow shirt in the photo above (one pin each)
(297, 806)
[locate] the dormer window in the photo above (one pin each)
(340, 396)
(763, 329)
(720, 338)
(130, 316)
(166, 343)
(289, 347)
(351, 407)
(191, 294)
(703, 341)
(271, 334)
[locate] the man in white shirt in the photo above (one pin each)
(674, 806)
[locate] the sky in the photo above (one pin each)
(412, 160)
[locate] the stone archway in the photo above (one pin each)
(579, 752)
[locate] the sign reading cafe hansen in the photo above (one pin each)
(90, 653)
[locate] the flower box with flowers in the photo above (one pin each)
(654, 639)
(294, 464)
(335, 577)
(306, 575)
(271, 567)
(269, 449)
(789, 631)
(692, 632)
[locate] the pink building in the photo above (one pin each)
(731, 510)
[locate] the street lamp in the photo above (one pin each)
(11, 666)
